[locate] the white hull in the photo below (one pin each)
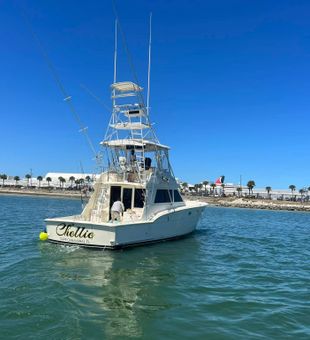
(165, 225)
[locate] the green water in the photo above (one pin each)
(243, 274)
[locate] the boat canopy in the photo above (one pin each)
(128, 144)
(126, 86)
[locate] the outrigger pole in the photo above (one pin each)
(149, 69)
(115, 65)
(66, 97)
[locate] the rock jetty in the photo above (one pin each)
(254, 203)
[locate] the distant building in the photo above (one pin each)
(230, 189)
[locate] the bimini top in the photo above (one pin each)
(126, 86)
(128, 144)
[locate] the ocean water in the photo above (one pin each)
(245, 274)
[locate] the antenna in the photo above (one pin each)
(149, 69)
(115, 63)
(115, 51)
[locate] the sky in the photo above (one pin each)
(230, 85)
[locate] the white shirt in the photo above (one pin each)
(118, 206)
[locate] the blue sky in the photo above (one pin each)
(230, 85)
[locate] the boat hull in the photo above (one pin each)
(166, 226)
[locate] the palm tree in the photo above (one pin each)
(16, 179)
(268, 189)
(200, 187)
(72, 179)
(239, 190)
(184, 186)
(303, 195)
(39, 178)
(61, 181)
(213, 185)
(196, 187)
(79, 182)
(3, 177)
(205, 183)
(292, 187)
(28, 179)
(48, 180)
(88, 180)
(251, 184)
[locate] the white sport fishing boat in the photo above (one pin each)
(140, 175)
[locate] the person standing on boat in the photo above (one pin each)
(117, 209)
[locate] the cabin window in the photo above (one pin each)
(139, 198)
(177, 196)
(163, 196)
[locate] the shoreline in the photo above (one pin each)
(29, 192)
(229, 202)
(252, 203)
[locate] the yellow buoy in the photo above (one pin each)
(43, 236)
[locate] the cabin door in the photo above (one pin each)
(127, 198)
(115, 194)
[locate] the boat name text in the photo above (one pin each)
(70, 230)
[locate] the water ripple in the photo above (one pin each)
(244, 273)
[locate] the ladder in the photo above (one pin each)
(96, 213)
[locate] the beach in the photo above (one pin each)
(40, 192)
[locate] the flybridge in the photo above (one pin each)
(131, 115)
(130, 137)
(129, 144)
(131, 147)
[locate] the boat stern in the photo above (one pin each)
(74, 231)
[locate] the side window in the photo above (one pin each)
(163, 196)
(177, 196)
